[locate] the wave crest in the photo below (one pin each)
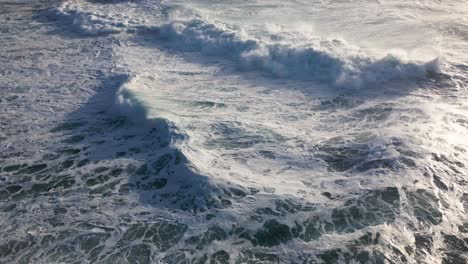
(328, 61)
(126, 103)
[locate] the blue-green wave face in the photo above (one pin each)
(271, 131)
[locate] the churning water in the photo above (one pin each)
(215, 131)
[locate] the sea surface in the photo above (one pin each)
(241, 131)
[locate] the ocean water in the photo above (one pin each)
(215, 131)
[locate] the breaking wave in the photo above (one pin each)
(157, 159)
(328, 61)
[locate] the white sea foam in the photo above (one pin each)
(200, 160)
